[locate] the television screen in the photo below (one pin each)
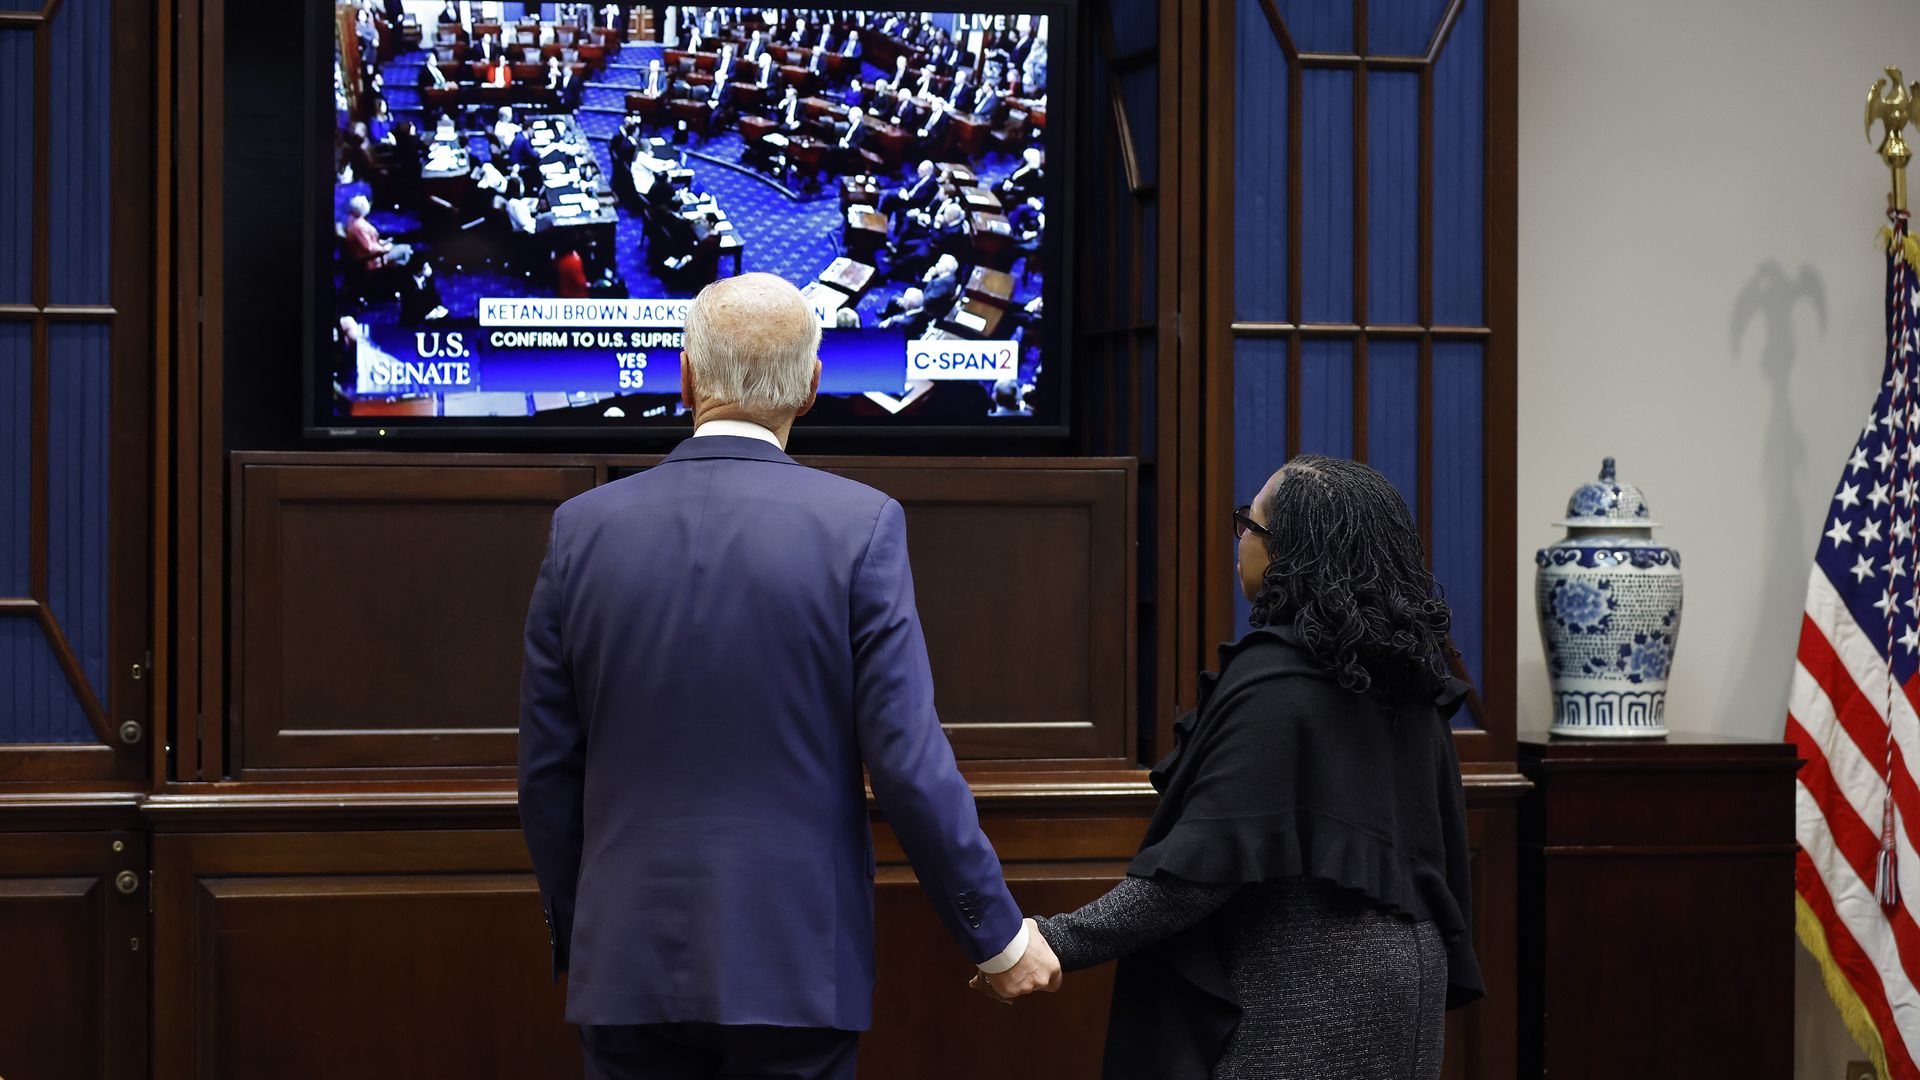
(526, 198)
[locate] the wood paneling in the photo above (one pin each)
(393, 953)
(381, 610)
(1642, 865)
(73, 1002)
(381, 600)
(1024, 580)
(921, 998)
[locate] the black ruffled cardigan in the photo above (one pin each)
(1282, 773)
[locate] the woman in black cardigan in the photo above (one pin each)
(1300, 906)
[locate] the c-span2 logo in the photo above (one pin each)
(975, 361)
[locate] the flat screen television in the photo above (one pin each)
(517, 202)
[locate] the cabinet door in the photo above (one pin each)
(380, 613)
(320, 955)
(73, 932)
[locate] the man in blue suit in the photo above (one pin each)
(714, 649)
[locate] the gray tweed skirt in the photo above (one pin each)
(1330, 988)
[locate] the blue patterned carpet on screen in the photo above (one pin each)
(794, 238)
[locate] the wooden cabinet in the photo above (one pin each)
(322, 954)
(73, 950)
(1646, 867)
(379, 610)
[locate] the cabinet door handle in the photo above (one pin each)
(127, 882)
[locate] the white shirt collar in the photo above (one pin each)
(741, 429)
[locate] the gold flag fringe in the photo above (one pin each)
(1813, 937)
(1910, 249)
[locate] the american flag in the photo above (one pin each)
(1851, 712)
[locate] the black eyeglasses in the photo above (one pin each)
(1243, 523)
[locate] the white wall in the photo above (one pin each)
(1699, 297)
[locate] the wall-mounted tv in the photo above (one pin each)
(517, 201)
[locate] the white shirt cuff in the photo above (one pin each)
(1010, 955)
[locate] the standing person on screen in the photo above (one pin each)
(1301, 904)
(714, 649)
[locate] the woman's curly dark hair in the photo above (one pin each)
(1347, 572)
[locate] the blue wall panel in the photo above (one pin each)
(1136, 25)
(77, 488)
(1402, 27)
(1393, 197)
(1393, 415)
(1259, 171)
(1459, 172)
(1260, 439)
(16, 166)
(16, 456)
(78, 168)
(1318, 25)
(41, 706)
(1459, 494)
(1326, 397)
(1326, 178)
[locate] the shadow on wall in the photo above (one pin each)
(1771, 298)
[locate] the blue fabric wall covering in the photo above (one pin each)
(1459, 173)
(1326, 178)
(16, 457)
(1402, 27)
(1458, 493)
(1317, 25)
(1393, 197)
(16, 165)
(1259, 171)
(77, 200)
(1260, 437)
(41, 707)
(1393, 415)
(1326, 397)
(1149, 257)
(1136, 25)
(77, 489)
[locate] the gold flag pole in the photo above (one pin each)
(1893, 110)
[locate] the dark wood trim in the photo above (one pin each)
(162, 730)
(1217, 376)
(131, 570)
(1362, 231)
(1501, 419)
(1182, 359)
(19, 605)
(191, 665)
(217, 705)
(36, 762)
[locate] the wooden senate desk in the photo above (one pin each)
(848, 276)
(1656, 908)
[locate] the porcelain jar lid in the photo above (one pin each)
(1607, 503)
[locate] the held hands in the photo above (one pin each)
(1038, 969)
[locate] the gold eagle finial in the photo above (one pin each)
(1894, 110)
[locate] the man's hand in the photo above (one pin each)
(1038, 969)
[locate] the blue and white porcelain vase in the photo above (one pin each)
(1609, 601)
